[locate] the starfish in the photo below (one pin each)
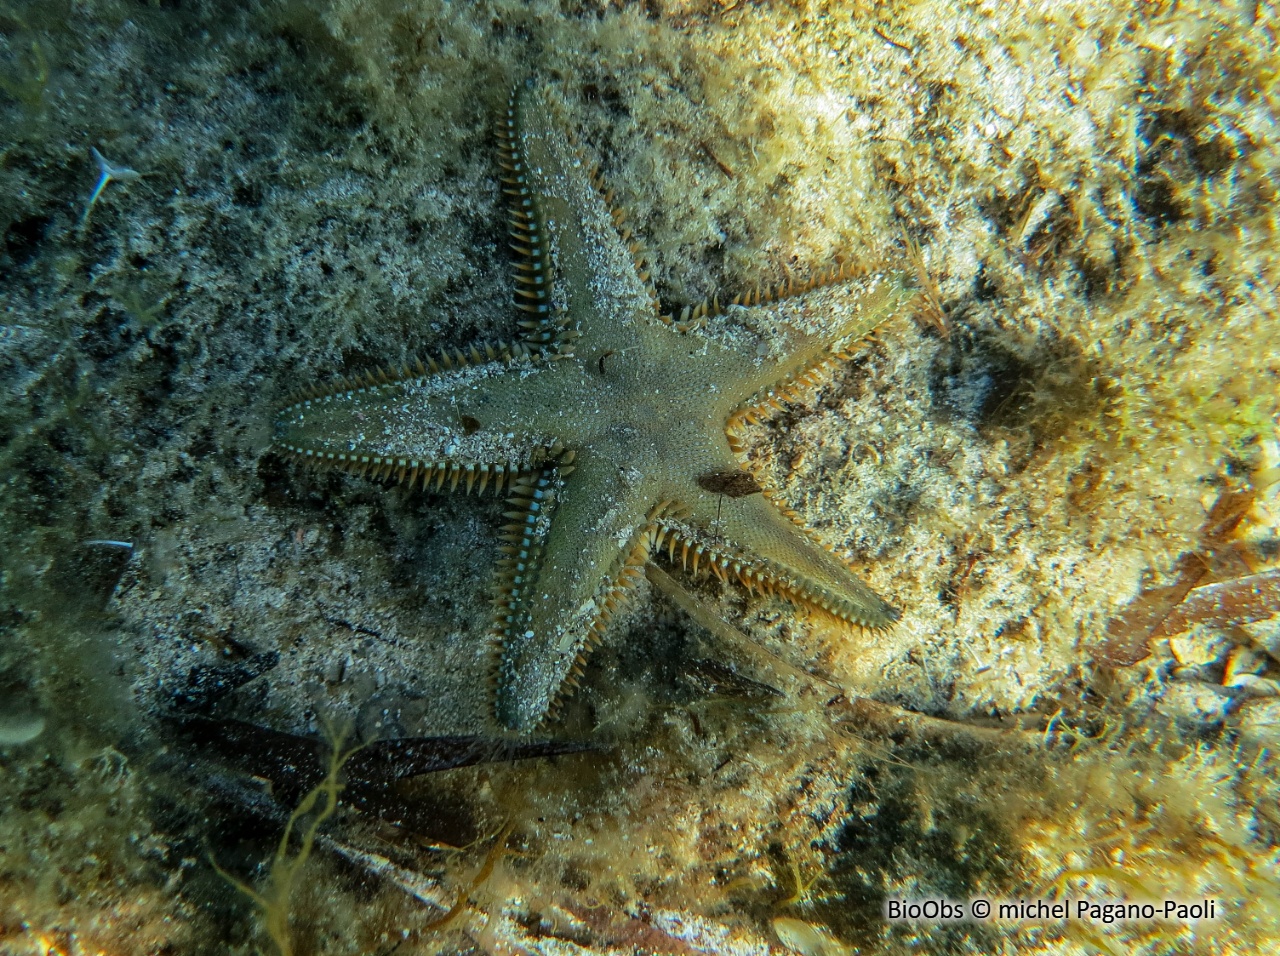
(612, 426)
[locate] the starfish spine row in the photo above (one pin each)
(427, 475)
(639, 254)
(795, 390)
(446, 360)
(757, 574)
(547, 326)
(695, 317)
(532, 500)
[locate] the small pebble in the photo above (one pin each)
(18, 729)
(808, 939)
(1199, 647)
(1242, 661)
(1194, 702)
(1254, 686)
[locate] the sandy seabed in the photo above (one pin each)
(1064, 458)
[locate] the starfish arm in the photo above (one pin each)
(597, 278)
(762, 548)
(414, 428)
(802, 355)
(549, 615)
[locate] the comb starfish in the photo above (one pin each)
(612, 427)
